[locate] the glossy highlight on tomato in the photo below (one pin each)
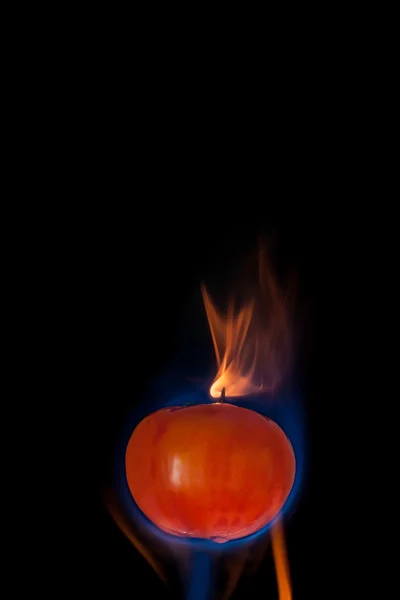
(213, 471)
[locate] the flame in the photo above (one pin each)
(123, 523)
(252, 343)
(281, 561)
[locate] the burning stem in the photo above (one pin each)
(222, 397)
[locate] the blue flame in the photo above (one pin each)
(201, 576)
(286, 410)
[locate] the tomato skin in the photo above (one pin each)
(214, 471)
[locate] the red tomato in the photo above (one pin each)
(213, 471)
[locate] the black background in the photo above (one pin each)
(139, 218)
(138, 276)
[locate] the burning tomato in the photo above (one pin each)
(213, 471)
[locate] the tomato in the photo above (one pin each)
(213, 471)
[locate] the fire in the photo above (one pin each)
(252, 342)
(123, 522)
(252, 345)
(281, 561)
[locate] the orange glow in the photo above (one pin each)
(124, 524)
(281, 561)
(213, 471)
(252, 343)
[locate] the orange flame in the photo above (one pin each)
(252, 344)
(126, 528)
(281, 561)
